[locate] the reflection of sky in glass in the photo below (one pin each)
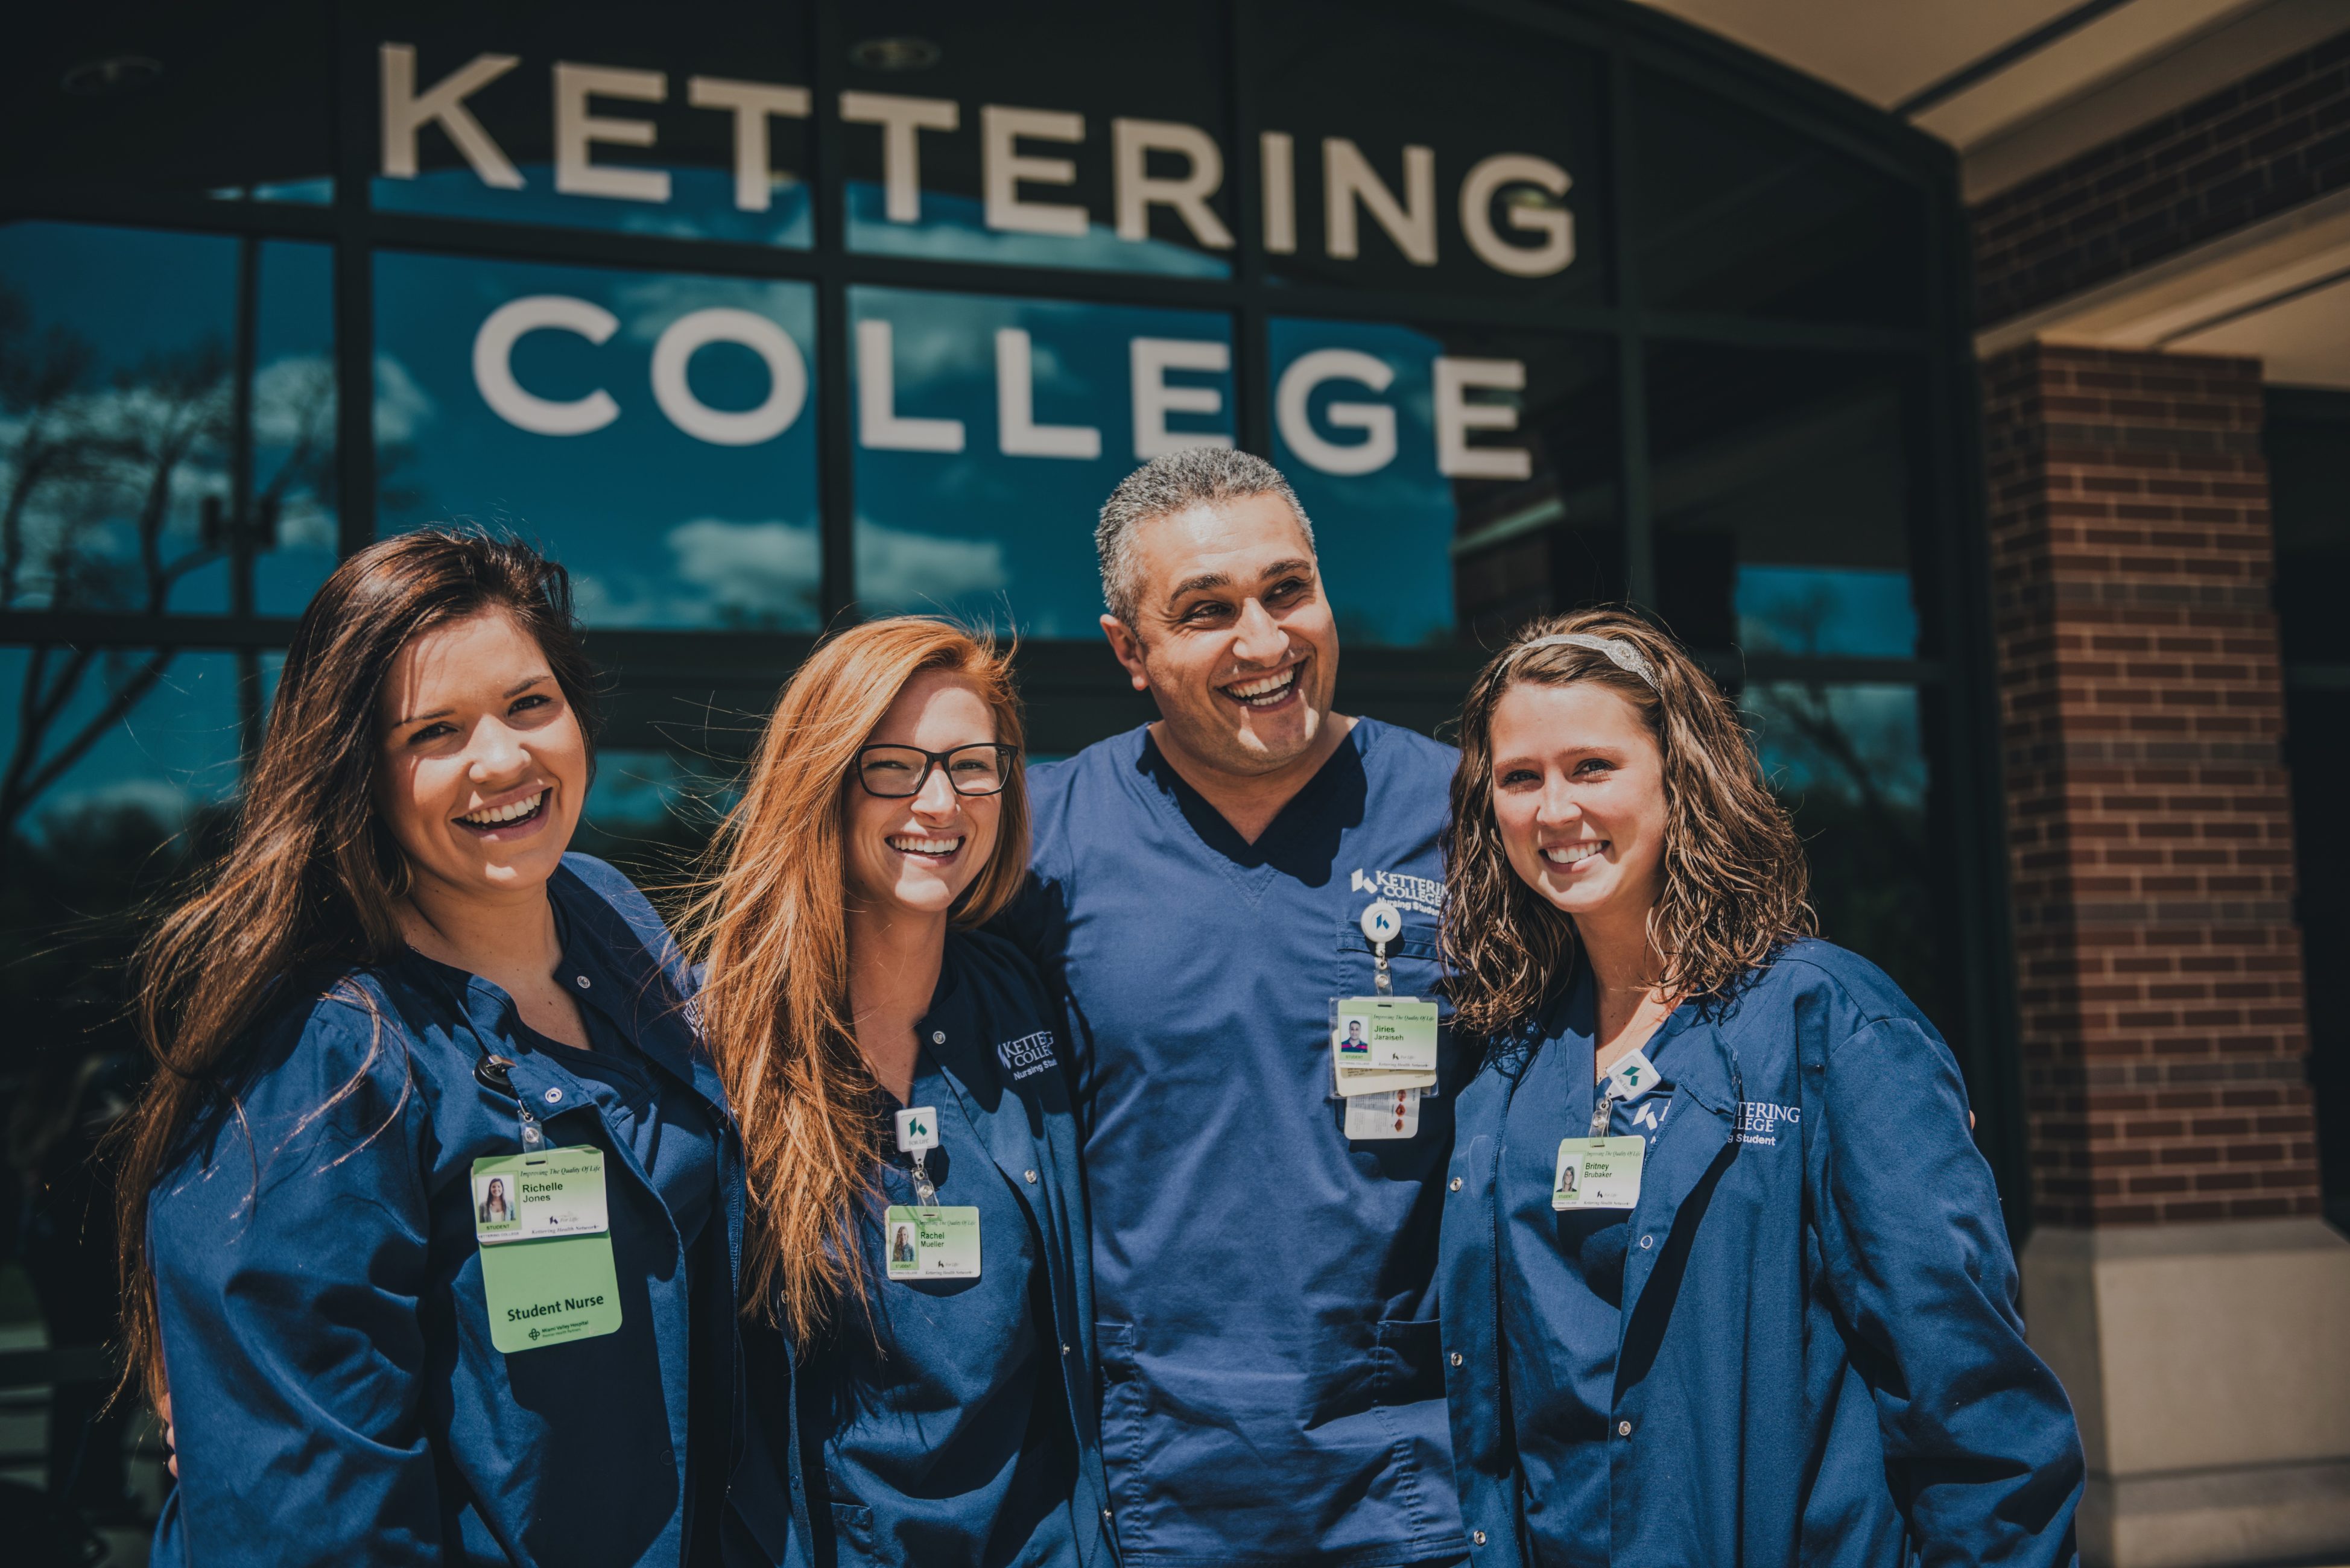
(659, 527)
(636, 791)
(177, 748)
(294, 421)
(701, 206)
(1850, 612)
(1384, 538)
(954, 228)
(978, 532)
(129, 330)
(1855, 744)
(308, 192)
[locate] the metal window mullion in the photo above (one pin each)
(836, 447)
(354, 306)
(1251, 325)
(1631, 364)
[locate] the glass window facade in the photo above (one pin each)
(758, 321)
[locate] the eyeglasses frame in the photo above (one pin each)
(931, 763)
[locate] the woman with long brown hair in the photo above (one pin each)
(917, 1220)
(431, 1211)
(1723, 1277)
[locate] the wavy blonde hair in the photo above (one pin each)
(1735, 882)
(768, 920)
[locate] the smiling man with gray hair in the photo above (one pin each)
(1262, 1258)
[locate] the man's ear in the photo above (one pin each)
(1127, 648)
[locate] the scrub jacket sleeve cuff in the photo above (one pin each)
(1977, 1432)
(289, 1309)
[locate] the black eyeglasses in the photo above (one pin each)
(898, 773)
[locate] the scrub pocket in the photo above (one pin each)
(1125, 1404)
(1411, 959)
(1407, 1361)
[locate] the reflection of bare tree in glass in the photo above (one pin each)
(86, 464)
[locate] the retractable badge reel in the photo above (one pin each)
(928, 1241)
(1382, 1046)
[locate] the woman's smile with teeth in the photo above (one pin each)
(1573, 854)
(499, 816)
(1266, 690)
(906, 844)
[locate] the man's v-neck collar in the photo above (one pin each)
(1214, 830)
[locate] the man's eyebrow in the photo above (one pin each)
(1207, 580)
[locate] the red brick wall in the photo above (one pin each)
(2143, 706)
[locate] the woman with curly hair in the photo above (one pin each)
(1724, 1278)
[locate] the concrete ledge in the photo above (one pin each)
(2210, 1367)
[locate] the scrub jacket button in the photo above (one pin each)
(1646, 1243)
(1623, 1428)
(1456, 1358)
(1477, 1536)
(1065, 1350)
(1030, 1175)
(1456, 1184)
(554, 1096)
(582, 981)
(1104, 1513)
(938, 1036)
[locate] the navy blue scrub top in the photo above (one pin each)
(1273, 1378)
(319, 1288)
(1562, 1277)
(951, 1442)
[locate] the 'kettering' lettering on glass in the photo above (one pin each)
(1522, 188)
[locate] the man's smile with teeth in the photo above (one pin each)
(1573, 854)
(499, 816)
(907, 844)
(1265, 690)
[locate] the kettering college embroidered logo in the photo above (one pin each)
(1764, 1122)
(1409, 892)
(1026, 1056)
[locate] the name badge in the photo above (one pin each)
(1382, 1044)
(1395, 1114)
(1598, 1173)
(931, 1243)
(547, 1276)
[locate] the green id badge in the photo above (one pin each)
(932, 1243)
(545, 1241)
(1382, 1044)
(1598, 1173)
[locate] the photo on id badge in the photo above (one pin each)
(1354, 1043)
(494, 1213)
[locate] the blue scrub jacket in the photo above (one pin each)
(1019, 1107)
(337, 1397)
(1820, 1359)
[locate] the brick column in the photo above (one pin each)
(2151, 841)
(2178, 1278)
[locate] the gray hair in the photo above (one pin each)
(1177, 482)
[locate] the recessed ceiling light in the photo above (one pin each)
(894, 54)
(112, 75)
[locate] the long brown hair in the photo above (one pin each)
(769, 924)
(1735, 881)
(307, 889)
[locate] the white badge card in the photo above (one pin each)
(1381, 1044)
(1395, 1114)
(532, 1197)
(1598, 1173)
(931, 1243)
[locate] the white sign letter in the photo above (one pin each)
(1293, 409)
(1280, 164)
(879, 426)
(1347, 177)
(754, 104)
(574, 129)
(1455, 416)
(1131, 144)
(786, 376)
(901, 119)
(1017, 430)
(1154, 399)
(493, 366)
(1555, 224)
(404, 114)
(1002, 169)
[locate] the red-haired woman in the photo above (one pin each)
(430, 1213)
(1724, 1278)
(917, 1222)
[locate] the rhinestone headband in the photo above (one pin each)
(1618, 651)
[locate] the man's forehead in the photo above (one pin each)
(1237, 537)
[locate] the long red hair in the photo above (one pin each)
(769, 923)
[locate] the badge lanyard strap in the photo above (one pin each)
(925, 1193)
(1383, 978)
(1601, 1112)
